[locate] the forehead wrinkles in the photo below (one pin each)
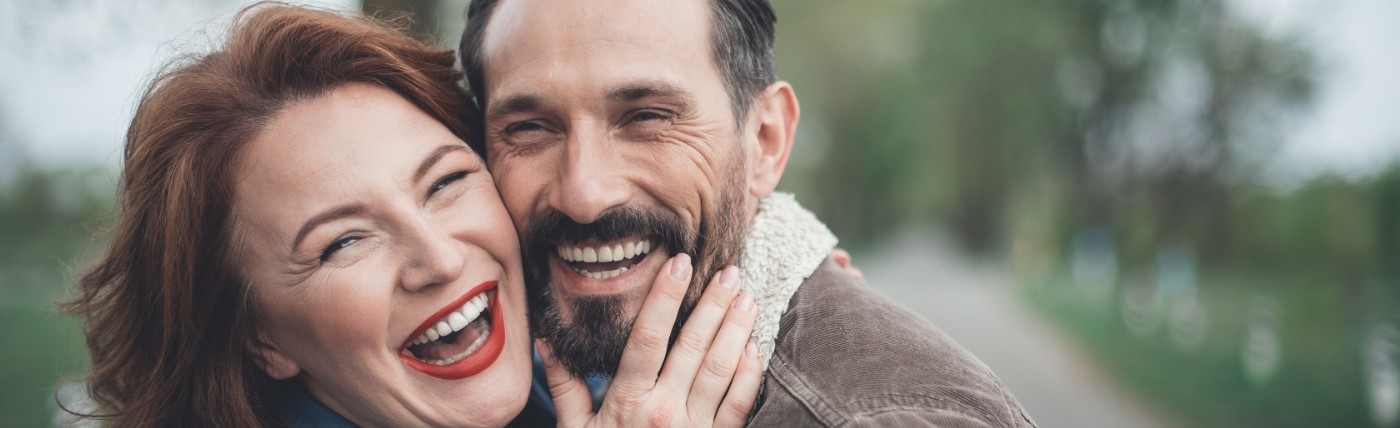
(552, 24)
(559, 35)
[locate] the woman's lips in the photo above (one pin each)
(476, 361)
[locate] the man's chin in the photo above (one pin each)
(624, 306)
(590, 338)
(590, 319)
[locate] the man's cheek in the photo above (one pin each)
(518, 198)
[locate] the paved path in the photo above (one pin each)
(975, 304)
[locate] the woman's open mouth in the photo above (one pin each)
(461, 339)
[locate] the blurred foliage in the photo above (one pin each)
(46, 219)
(1027, 128)
(958, 111)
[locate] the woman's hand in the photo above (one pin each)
(843, 259)
(710, 378)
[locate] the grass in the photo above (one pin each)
(1319, 379)
(41, 347)
(46, 223)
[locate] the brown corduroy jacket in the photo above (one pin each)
(846, 356)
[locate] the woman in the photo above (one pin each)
(305, 238)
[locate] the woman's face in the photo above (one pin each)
(383, 264)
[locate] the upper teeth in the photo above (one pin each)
(454, 321)
(605, 253)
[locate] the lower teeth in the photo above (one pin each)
(482, 332)
(602, 275)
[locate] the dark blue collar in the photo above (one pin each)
(299, 409)
(539, 388)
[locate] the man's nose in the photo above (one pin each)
(435, 257)
(591, 180)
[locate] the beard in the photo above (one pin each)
(591, 342)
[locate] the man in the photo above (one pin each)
(621, 132)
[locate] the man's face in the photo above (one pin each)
(609, 131)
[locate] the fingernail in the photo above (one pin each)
(680, 267)
(729, 277)
(745, 301)
(546, 354)
(752, 349)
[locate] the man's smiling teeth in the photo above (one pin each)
(603, 254)
(454, 321)
(606, 253)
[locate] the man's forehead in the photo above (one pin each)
(574, 19)
(555, 36)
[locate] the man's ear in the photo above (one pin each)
(776, 112)
(272, 360)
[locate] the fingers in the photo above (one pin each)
(743, 391)
(699, 331)
(572, 400)
(843, 259)
(717, 372)
(646, 346)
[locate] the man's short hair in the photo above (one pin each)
(741, 40)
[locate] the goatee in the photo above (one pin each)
(591, 343)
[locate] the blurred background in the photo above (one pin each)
(1138, 212)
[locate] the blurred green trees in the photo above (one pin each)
(46, 221)
(956, 111)
(1117, 154)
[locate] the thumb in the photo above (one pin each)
(572, 400)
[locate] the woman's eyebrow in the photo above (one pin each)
(339, 212)
(436, 156)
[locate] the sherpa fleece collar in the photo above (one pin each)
(784, 246)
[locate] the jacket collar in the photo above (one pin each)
(784, 246)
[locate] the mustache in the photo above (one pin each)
(592, 342)
(551, 227)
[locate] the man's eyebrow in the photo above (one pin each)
(434, 157)
(649, 89)
(513, 104)
(336, 213)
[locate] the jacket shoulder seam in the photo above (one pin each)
(801, 391)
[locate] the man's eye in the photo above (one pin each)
(646, 115)
(528, 134)
(524, 127)
(446, 180)
(337, 246)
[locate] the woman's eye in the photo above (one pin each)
(337, 246)
(445, 181)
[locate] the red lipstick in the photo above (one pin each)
(477, 361)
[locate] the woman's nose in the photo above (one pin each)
(436, 257)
